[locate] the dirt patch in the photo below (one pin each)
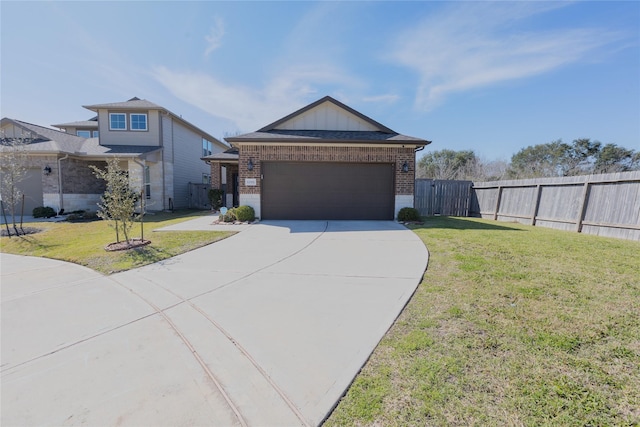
(123, 246)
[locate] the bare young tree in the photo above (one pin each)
(13, 171)
(118, 203)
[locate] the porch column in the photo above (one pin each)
(216, 176)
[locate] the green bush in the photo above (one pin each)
(245, 213)
(408, 214)
(215, 198)
(230, 216)
(43, 212)
(81, 215)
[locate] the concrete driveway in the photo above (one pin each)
(268, 327)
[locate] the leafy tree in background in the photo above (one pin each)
(582, 157)
(447, 164)
(612, 158)
(461, 165)
(540, 160)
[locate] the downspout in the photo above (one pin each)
(162, 160)
(415, 169)
(66, 156)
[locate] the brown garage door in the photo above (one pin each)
(295, 190)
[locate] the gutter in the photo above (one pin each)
(66, 156)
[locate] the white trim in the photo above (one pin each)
(146, 122)
(403, 201)
(252, 200)
(119, 114)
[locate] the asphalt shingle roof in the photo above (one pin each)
(91, 147)
(321, 136)
(80, 124)
(230, 154)
(51, 140)
(133, 103)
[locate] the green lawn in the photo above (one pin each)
(83, 242)
(512, 325)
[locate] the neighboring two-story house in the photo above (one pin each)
(160, 150)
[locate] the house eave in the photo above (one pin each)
(328, 142)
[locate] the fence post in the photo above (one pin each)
(583, 207)
(495, 214)
(536, 205)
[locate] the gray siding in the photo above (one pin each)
(151, 137)
(187, 166)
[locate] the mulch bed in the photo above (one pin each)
(123, 246)
(21, 231)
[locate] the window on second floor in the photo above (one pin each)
(138, 121)
(84, 133)
(207, 147)
(117, 121)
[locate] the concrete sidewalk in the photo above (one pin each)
(204, 223)
(267, 327)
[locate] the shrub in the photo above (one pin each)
(408, 214)
(230, 216)
(81, 215)
(245, 213)
(215, 198)
(89, 215)
(43, 212)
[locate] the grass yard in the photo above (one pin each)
(512, 325)
(83, 242)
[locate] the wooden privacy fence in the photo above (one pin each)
(199, 196)
(606, 205)
(442, 197)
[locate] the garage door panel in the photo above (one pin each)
(300, 190)
(31, 187)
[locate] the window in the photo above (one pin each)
(207, 147)
(96, 133)
(206, 179)
(147, 182)
(138, 121)
(117, 121)
(84, 133)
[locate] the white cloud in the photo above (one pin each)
(389, 98)
(247, 107)
(214, 39)
(470, 45)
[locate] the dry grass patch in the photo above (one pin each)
(512, 325)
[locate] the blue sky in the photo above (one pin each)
(490, 77)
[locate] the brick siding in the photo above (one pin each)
(78, 177)
(258, 153)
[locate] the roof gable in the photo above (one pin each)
(327, 114)
(43, 139)
(132, 104)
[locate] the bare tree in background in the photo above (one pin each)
(13, 172)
